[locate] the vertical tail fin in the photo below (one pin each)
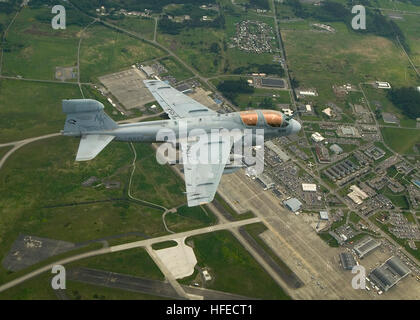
(84, 116)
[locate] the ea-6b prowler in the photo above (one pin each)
(86, 118)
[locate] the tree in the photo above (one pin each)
(407, 99)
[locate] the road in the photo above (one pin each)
(135, 244)
(18, 144)
(78, 55)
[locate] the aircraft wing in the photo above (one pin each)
(176, 104)
(202, 179)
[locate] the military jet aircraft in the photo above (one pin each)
(86, 119)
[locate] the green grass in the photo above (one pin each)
(401, 140)
(84, 291)
(254, 231)
(375, 95)
(104, 51)
(154, 182)
(134, 262)
(410, 26)
(252, 101)
(187, 218)
(175, 69)
(234, 269)
(343, 57)
(330, 240)
(4, 150)
(399, 200)
(36, 48)
(39, 288)
(409, 217)
(41, 177)
(397, 5)
(225, 206)
(164, 245)
(35, 111)
(6, 276)
(193, 45)
(143, 26)
(354, 218)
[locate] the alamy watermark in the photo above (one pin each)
(359, 280)
(59, 20)
(359, 20)
(59, 280)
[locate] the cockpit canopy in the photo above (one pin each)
(272, 118)
(250, 118)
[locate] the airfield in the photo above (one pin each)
(120, 224)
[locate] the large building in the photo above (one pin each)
(388, 274)
(277, 150)
(347, 260)
(323, 215)
(322, 154)
(317, 137)
(271, 82)
(336, 149)
(357, 195)
(293, 204)
(366, 246)
(311, 187)
(148, 71)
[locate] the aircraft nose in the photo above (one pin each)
(295, 126)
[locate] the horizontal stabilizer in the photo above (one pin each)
(90, 145)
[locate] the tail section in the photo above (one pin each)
(86, 118)
(90, 145)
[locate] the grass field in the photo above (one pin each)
(4, 150)
(175, 69)
(164, 245)
(84, 291)
(134, 262)
(156, 183)
(379, 97)
(193, 45)
(187, 218)
(410, 25)
(401, 140)
(35, 111)
(397, 5)
(143, 26)
(252, 101)
(233, 268)
(39, 288)
(36, 49)
(254, 231)
(105, 51)
(41, 185)
(343, 57)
